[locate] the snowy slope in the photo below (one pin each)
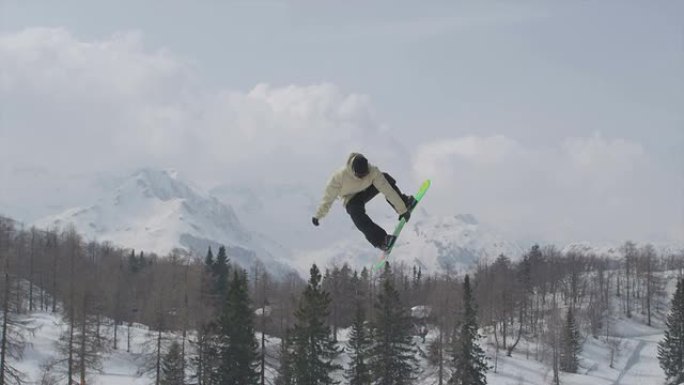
(636, 364)
(155, 211)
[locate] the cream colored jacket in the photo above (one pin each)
(344, 184)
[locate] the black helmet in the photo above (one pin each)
(360, 166)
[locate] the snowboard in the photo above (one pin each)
(397, 230)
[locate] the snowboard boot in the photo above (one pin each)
(411, 203)
(388, 243)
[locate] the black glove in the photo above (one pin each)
(406, 216)
(314, 220)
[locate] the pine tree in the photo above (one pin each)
(314, 348)
(206, 361)
(238, 346)
(142, 262)
(571, 345)
(392, 358)
(133, 263)
(209, 259)
(468, 358)
(358, 347)
(172, 366)
(221, 270)
(671, 348)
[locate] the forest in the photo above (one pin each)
(211, 319)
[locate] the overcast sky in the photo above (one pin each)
(551, 121)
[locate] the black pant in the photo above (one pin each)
(356, 207)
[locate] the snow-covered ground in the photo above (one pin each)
(635, 364)
(118, 366)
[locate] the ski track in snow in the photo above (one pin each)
(633, 359)
(642, 368)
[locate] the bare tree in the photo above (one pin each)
(553, 339)
(81, 344)
(648, 266)
(630, 252)
(13, 330)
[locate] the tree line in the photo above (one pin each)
(191, 307)
(210, 321)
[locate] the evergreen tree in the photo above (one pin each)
(238, 347)
(220, 271)
(133, 263)
(206, 362)
(671, 348)
(392, 360)
(172, 366)
(468, 358)
(358, 346)
(571, 345)
(314, 348)
(209, 259)
(141, 261)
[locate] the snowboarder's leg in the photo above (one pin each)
(406, 198)
(356, 207)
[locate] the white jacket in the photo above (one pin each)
(345, 184)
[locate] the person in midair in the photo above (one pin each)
(357, 183)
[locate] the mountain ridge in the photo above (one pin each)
(153, 210)
(157, 211)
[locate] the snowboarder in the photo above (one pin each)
(357, 183)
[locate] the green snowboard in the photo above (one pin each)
(419, 195)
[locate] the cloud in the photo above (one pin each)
(432, 157)
(110, 104)
(592, 188)
(69, 101)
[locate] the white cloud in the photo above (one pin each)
(432, 157)
(592, 188)
(75, 106)
(145, 106)
(68, 100)
(43, 59)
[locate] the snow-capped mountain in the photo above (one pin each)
(436, 244)
(155, 211)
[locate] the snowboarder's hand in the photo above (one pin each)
(406, 216)
(314, 220)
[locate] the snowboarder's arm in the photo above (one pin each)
(381, 183)
(332, 190)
